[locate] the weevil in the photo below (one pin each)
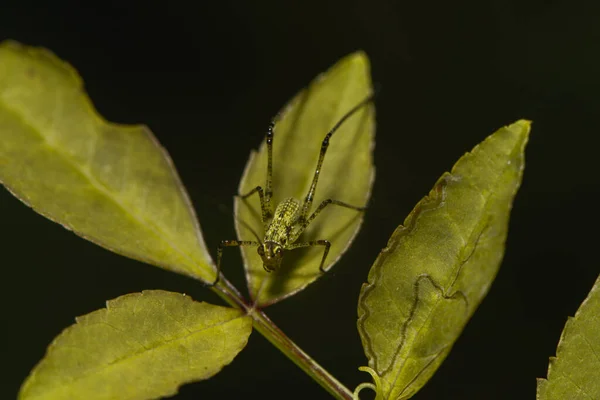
(291, 217)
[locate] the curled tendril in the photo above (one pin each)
(374, 387)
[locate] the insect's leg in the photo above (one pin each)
(264, 206)
(304, 223)
(229, 243)
(308, 200)
(268, 186)
(321, 242)
(266, 194)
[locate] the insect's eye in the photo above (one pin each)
(279, 251)
(261, 251)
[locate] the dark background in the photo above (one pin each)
(208, 78)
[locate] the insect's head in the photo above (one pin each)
(271, 254)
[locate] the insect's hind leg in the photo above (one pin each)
(321, 242)
(308, 200)
(304, 223)
(229, 243)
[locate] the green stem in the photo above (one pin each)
(273, 334)
(269, 330)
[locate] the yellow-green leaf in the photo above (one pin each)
(347, 175)
(111, 184)
(574, 373)
(141, 346)
(436, 269)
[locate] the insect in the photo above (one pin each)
(291, 217)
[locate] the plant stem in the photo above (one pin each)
(273, 334)
(269, 330)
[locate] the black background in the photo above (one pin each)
(207, 79)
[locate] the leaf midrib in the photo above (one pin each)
(136, 354)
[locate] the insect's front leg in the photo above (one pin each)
(229, 243)
(312, 243)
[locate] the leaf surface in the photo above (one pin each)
(111, 184)
(347, 175)
(575, 371)
(438, 266)
(141, 346)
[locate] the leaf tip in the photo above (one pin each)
(524, 124)
(358, 61)
(359, 57)
(521, 127)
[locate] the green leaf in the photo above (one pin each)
(347, 175)
(574, 373)
(111, 184)
(141, 346)
(436, 269)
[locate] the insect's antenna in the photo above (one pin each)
(223, 208)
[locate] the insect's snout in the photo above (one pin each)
(271, 254)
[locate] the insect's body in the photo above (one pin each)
(291, 217)
(284, 218)
(279, 233)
